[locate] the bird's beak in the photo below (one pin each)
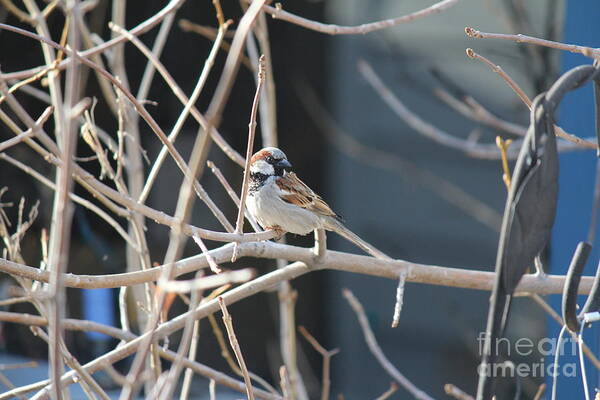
(284, 164)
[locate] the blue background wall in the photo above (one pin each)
(577, 180)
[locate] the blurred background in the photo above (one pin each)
(412, 197)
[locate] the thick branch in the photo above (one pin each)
(334, 260)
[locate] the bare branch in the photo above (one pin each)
(211, 33)
(141, 28)
(455, 392)
(519, 38)
(399, 300)
(586, 143)
(29, 132)
(62, 212)
(554, 315)
(138, 106)
(207, 282)
(498, 69)
(189, 107)
(393, 388)
(236, 347)
(249, 151)
(279, 13)
(378, 353)
(89, 326)
(392, 162)
(236, 200)
(486, 151)
(227, 356)
(326, 380)
(89, 383)
(79, 200)
(390, 269)
(540, 392)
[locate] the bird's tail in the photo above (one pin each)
(340, 229)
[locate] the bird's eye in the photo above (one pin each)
(270, 160)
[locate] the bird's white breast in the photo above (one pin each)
(266, 205)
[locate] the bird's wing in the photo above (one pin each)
(296, 192)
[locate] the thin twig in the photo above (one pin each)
(479, 150)
(498, 69)
(399, 300)
(378, 353)
(554, 315)
(11, 301)
(455, 392)
(278, 13)
(287, 297)
(390, 161)
(249, 151)
(62, 213)
(141, 28)
(583, 142)
(236, 347)
(268, 103)
(230, 361)
(189, 105)
(27, 364)
(211, 33)
(185, 199)
(189, 374)
(393, 388)
(123, 311)
(326, 354)
(132, 204)
(212, 390)
(540, 392)
(138, 106)
(418, 124)
(29, 132)
(285, 383)
(22, 15)
(89, 326)
(211, 262)
(208, 282)
(75, 198)
(519, 38)
(236, 200)
(10, 385)
(320, 242)
(72, 362)
(172, 377)
(472, 109)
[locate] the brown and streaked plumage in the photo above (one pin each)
(302, 196)
(278, 199)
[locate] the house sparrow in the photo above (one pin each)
(279, 200)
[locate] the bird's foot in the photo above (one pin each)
(277, 229)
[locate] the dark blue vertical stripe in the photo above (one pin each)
(577, 176)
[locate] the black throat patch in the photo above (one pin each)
(257, 180)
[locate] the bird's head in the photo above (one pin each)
(269, 161)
